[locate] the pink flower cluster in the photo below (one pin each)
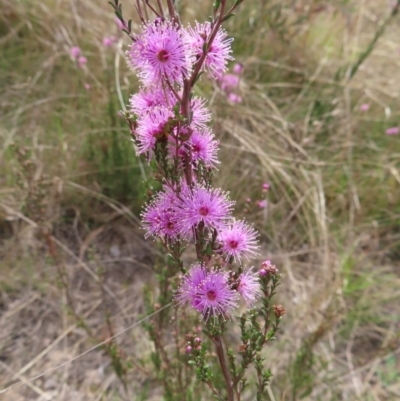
(229, 83)
(170, 128)
(76, 54)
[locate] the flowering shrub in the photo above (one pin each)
(169, 126)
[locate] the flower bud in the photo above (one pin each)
(269, 267)
(279, 311)
(237, 68)
(242, 348)
(188, 349)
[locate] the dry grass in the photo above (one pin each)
(331, 225)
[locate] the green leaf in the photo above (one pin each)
(228, 16)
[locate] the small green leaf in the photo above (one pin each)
(228, 16)
(217, 4)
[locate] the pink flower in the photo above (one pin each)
(108, 42)
(151, 127)
(202, 205)
(234, 98)
(82, 60)
(75, 52)
(262, 204)
(265, 186)
(201, 115)
(87, 86)
(204, 147)
(229, 82)
(147, 99)
(214, 296)
(159, 52)
(249, 287)
(190, 282)
(219, 52)
(158, 219)
(238, 240)
(238, 68)
(268, 268)
(364, 107)
(392, 131)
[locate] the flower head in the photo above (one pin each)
(108, 42)
(200, 114)
(75, 52)
(392, 131)
(262, 204)
(229, 82)
(238, 68)
(364, 107)
(190, 283)
(249, 287)
(204, 147)
(159, 52)
(152, 127)
(218, 53)
(214, 296)
(149, 98)
(82, 60)
(158, 219)
(238, 240)
(234, 98)
(202, 205)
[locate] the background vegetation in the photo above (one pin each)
(71, 190)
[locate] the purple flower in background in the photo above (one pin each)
(265, 186)
(238, 240)
(214, 296)
(229, 82)
(262, 204)
(202, 205)
(219, 52)
(234, 98)
(108, 42)
(249, 287)
(364, 107)
(82, 60)
(159, 53)
(75, 52)
(392, 131)
(238, 68)
(87, 86)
